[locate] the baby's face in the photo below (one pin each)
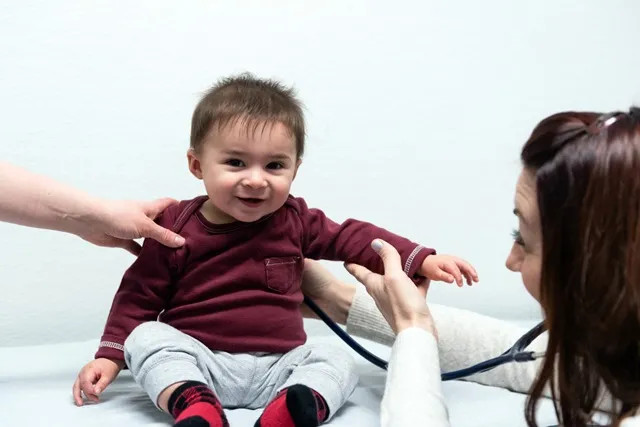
(247, 170)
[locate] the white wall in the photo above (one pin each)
(416, 114)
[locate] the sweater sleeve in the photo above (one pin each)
(142, 295)
(351, 241)
(413, 393)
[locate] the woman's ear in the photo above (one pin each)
(194, 163)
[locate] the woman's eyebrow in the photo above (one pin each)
(517, 213)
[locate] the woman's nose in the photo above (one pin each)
(514, 259)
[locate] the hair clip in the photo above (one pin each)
(610, 121)
(603, 122)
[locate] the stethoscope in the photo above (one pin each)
(516, 353)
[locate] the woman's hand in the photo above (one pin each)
(37, 201)
(401, 302)
(117, 223)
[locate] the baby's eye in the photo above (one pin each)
(236, 163)
(517, 237)
(275, 165)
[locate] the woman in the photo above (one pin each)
(35, 201)
(578, 252)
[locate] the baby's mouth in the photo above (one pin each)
(251, 201)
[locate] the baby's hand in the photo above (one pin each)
(94, 378)
(447, 268)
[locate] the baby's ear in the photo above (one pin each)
(295, 171)
(194, 163)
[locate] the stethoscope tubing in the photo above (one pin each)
(516, 353)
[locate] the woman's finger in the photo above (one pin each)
(390, 256)
(130, 246)
(161, 234)
(156, 207)
(363, 275)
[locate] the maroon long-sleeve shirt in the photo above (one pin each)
(236, 287)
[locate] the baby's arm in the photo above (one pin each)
(142, 295)
(351, 242)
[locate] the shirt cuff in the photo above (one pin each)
(110, 349)
(414, 262)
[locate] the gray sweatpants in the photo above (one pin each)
(159, 355)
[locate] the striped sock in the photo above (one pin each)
(193, 404)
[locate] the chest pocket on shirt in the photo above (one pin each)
(282, 273)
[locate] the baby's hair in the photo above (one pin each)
(251, 101)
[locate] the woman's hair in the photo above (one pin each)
(587, 174)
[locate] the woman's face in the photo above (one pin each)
(526, 253)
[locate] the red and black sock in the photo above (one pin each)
(295, 406)
(193, 404)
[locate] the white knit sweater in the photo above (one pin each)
(464, 338)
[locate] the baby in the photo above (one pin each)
(217, 323)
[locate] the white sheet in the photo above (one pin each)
(35, 390)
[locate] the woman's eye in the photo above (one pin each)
(517, 237)
(275, 165)
(236, 163)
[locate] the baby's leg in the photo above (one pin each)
(311, 383)
(172, 368)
